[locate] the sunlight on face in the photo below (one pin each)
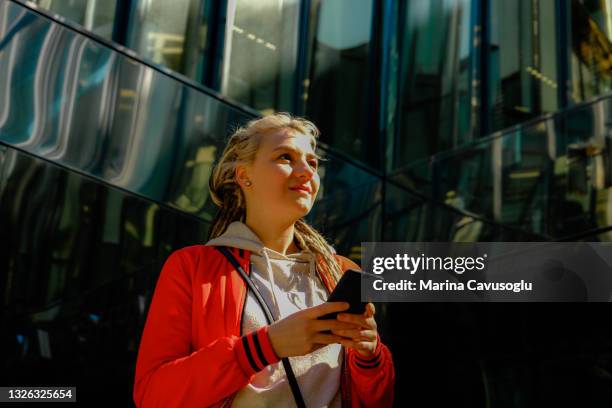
(284, 175)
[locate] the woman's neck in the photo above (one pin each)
(277, 237)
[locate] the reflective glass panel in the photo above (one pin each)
(79, 264)
(436, 111)
(464, 179)
(583, 172)
(138, 129)
(260, 52)
(97, 16)
(171, 33)
(522, 61)
(79, 103)
(338, 89)
(349, 205)
(591, 58)
(547, 180)
(412, 219)
(405, 215)
(524, 176)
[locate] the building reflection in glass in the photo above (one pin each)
(260, 59)
(173, 34)
(591, 60)
(94, 15)
(549, 179)
(337, 92)
(107, 115)
(523, 61)
(436, 65)
(79, 263)
(389, 83)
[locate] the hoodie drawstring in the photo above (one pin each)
(313, 278)
(271, 282)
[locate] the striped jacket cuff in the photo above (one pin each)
(255, 351)
(370, 362)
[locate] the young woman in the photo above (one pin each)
(206, 341)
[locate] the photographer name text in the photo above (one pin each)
(449, 264)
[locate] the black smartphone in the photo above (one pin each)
(348, 290)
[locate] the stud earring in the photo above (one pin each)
(248, 183)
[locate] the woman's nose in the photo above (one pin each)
(304, 170)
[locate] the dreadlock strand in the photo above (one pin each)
(311, 239)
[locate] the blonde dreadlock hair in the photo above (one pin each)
(226, 193)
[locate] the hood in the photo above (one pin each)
(239, 235)
(267, 261)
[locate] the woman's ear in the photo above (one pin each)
(242, 177)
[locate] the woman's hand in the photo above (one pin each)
(301, 332)
(363, 338)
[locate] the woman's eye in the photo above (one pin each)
(285, 157)
(313, 163)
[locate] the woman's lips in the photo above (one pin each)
(301, 189)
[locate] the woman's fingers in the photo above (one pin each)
(370, 310)
(301, 332)
(356, 334)
(322, 338)
(326, 308)
(361, 320)
(323, 325)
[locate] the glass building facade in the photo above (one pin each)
(442, 120)
(390, 82)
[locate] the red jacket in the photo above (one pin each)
(192, 355)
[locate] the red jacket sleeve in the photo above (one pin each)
(372, 379)
(168, 372)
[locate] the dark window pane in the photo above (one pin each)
(525, 174)
(348, 208)
(522, 61)
(435, 106)
(260, 53)
(337, 90)
(79, 264)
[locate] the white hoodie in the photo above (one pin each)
(288, 283)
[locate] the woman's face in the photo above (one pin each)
(284, 178)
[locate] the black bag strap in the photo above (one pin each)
(295, 388)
